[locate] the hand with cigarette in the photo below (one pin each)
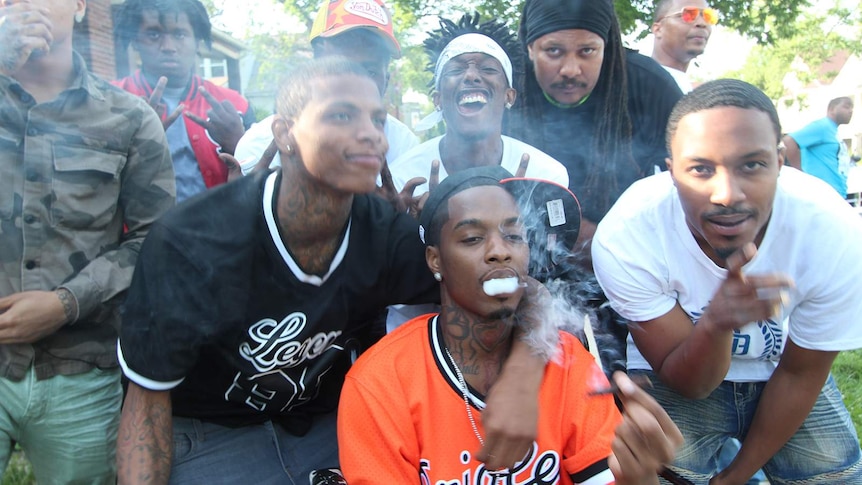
(25, 28)
(742, 299)
(646, 440)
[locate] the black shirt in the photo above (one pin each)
(220, 313)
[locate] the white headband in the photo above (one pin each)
(469, 43)
(464, 44)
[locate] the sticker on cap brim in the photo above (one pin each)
(367, 10)
(556, 212)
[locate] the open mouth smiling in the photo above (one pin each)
(470, 102)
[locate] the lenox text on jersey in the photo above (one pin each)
(276, 347)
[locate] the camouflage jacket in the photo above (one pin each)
(82, 177)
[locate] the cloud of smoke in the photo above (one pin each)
(551, 216)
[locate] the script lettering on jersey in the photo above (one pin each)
(536, 469)
(273, 344)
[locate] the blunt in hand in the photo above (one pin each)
(640, 380)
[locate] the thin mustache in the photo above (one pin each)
(727, 211)
(567, 84)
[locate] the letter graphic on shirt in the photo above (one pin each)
(274, 344)
(537, 468)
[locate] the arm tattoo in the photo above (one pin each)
(144, 444)
(70, 304)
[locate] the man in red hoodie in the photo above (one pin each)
(167, 34)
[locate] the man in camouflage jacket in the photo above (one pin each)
(84, 171)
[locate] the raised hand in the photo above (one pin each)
(646, 440)
(742, 299)
(25, 29)
(223, 122)
(155, 102)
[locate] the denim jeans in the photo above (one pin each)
(264, 453)
(825, 449)
(67, 425)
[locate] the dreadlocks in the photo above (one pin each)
(130, 16)
(612, 132)
(468, 24)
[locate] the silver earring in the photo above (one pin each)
(438, 277)
(288, 148)
(508, 105)
(79, 17)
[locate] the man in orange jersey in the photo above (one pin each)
(410, 410)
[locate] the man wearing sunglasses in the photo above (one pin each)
(681, 29)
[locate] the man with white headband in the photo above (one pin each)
(472, 91)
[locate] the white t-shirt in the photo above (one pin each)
(647, 260)
(681, 79)
(417, 163)
(257, 138)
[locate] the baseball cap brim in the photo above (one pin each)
(552, 216)
(391, 44)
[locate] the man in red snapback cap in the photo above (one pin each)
(361, 31)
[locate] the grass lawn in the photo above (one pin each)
(847, 371)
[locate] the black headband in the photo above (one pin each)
(545, 16)
(455, 183)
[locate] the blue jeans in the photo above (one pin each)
(264, 453)
(825, 449)
(67, 425)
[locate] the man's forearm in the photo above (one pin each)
(145, 437)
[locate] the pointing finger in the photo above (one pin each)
(434, 179)
(522, 167)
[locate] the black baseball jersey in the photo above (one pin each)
(220, 313)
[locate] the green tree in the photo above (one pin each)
(816, 37)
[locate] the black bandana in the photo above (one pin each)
(545, 16)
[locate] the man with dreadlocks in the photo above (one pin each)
(167, 34)
(594, 106)
(472, 91)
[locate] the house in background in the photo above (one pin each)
(840, 75)
(94, 40)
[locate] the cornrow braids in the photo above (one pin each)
(129, 17)
(612, 134)
(468, 24)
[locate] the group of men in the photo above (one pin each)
(244, 318)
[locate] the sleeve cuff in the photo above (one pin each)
(142, 381)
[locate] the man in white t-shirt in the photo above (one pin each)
(472, 91)
(360, 30)
(681, 29)
(737, 278)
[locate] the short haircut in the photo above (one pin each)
(130, 15)
(722, 93)
(295, 91)
(468, 24)
(661, 9)
(835, 102)
(350, 38)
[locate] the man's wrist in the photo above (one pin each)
(69, 303)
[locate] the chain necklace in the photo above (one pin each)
(494, 474)
(463, 384)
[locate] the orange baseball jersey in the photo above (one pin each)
(402, 417)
